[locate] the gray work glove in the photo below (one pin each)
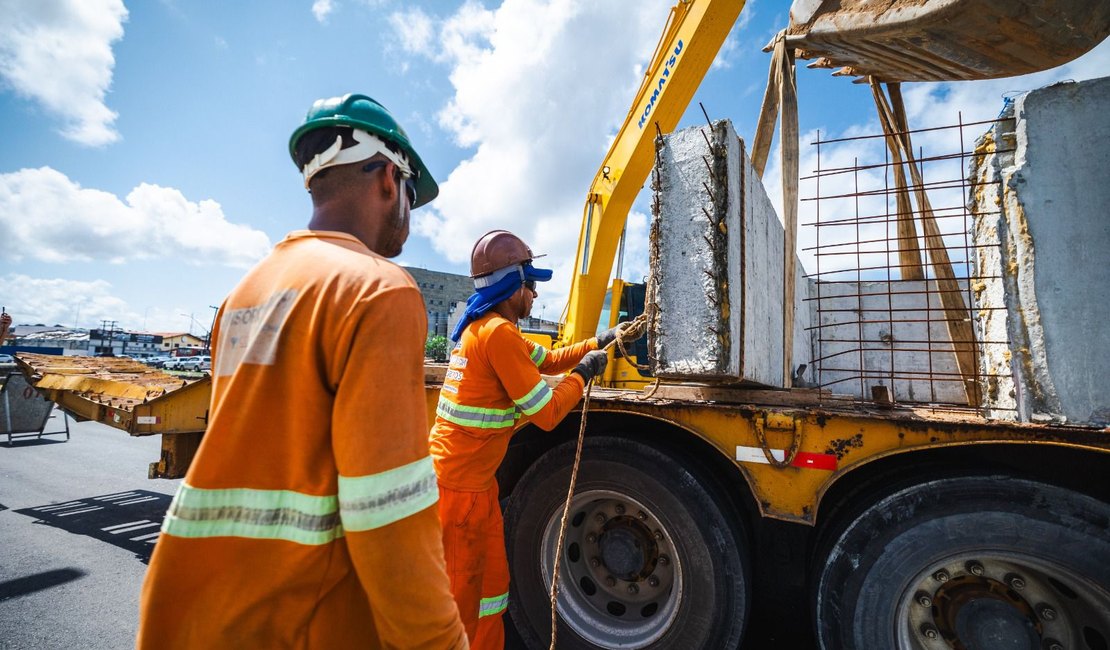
(592, 365)
(629, 333)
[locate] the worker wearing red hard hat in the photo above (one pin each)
(493, 385)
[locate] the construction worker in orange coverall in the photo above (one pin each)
(493, 385)
(307, 519)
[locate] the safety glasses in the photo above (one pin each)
(530, 285)
(410, 188)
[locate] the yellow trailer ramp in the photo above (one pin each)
(128, 395)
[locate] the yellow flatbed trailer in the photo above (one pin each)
(128, 395)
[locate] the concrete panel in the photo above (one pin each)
(885, 334)
(717, 250)
(762, 242)
(1045, 204)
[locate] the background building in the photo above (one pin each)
(47, 339)
(172, 341)
(445, 297)
(442, 292)
(120, 343)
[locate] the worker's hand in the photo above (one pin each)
(592, 365)
(630, 331)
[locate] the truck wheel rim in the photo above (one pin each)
(620, 579)
(993, 595)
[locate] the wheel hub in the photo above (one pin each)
(989, 623)
(628, 550)
(620, 581)
(1000, 602)
(980, 612)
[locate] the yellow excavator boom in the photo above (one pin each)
(694, 33)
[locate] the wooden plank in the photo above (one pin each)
(739, 395)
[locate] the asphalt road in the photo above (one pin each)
(78, 521)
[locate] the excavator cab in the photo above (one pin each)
(627, 368)
(944, 40)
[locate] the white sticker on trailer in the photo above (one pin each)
(148, 419)
(755, 455)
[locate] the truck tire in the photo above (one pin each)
(652, 557)
(969, 562)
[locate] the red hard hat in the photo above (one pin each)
(497, 249)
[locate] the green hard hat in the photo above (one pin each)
(362, 112)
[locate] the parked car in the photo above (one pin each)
(156, 362)
(6, 359)
(173, 363)
(196, 364)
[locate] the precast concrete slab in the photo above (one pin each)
(1042, 205)
(879, 334)
(717, 265)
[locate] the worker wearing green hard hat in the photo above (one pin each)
(314, 482)
(365, 117)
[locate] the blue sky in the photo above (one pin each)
(144, 165)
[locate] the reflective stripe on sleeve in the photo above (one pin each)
(494, 605)
(473, 416)
(535, 400)
(260, 514)
(539, 355)
(376, 500)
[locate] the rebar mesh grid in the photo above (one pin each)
(878, 335)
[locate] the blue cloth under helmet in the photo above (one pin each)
(495, 288)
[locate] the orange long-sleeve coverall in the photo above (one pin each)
(307, 518)
(493, 383)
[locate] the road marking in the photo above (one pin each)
(77, 512)
(118, 495)
(132, 528)
(139, 500)
(149, 537)
(130, 523)
(59, 506)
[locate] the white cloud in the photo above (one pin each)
(46, 216)
(86, 303)
(540, 87)
(56, 301)
(321, 9)
(60, 55)
(415, 29)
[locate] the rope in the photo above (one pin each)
(632, 329)
(566, 513)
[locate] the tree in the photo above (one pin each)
(436, 348)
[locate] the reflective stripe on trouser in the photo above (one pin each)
(474, 545)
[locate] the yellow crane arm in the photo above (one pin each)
(694, 33)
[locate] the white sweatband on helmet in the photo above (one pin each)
(368, 146)
(498, 275)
